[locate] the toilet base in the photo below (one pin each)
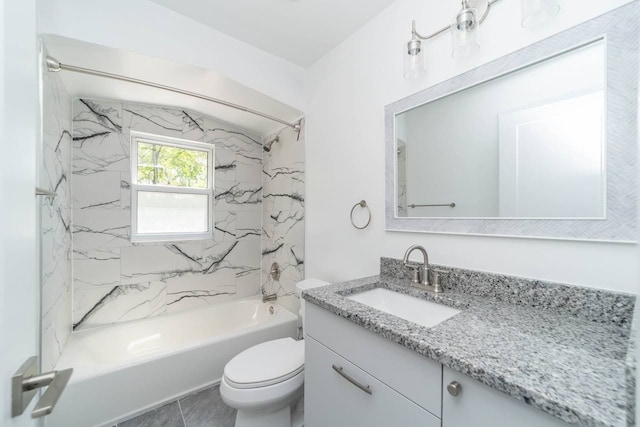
(278, 405)
(289, 416)
(297, 414)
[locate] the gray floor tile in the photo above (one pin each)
(165, 416)
(206, 409)
(223, 422)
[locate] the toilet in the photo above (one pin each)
(265, 383)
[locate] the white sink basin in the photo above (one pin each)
(406, 307)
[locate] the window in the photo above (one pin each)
(171, 188)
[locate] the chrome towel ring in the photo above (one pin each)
(362, 204)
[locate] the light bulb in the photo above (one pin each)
(464, 32)
(414, 60)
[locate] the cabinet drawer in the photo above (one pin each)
(334, 398)
(413, 375)
(481, 406)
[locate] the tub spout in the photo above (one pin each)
(268, 297)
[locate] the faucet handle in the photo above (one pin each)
(415, 273)
(437, 286)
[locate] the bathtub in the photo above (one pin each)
(124, 369)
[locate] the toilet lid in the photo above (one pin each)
(269, 363)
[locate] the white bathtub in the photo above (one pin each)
(124, 369)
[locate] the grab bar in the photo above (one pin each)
(451, 205)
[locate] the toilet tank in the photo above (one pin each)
(303, 285)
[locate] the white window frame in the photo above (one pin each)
(137, 137)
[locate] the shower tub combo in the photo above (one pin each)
(126, 369)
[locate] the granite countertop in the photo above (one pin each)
(569, 367)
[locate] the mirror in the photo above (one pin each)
(533, 144)
(528, 144)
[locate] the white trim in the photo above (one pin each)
(135, 138)
(168, 189)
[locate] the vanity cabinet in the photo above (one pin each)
(414, 376)
(354, 377)
(478, 405)
(341, 394)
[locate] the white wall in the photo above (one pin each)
(150, 29)
(348, 90)
(19, 310)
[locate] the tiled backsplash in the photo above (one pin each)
(55, 219)
(116, 280)
(283, 215)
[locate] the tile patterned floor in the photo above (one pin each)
(202, 409)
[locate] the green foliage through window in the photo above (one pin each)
(160, 164)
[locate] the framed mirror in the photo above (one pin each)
(540, 143)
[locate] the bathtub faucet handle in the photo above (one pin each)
(275, 275)
(275, 271)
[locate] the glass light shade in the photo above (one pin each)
(537, 12)
(464, 34)
(414, 63)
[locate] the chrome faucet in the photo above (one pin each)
(420, 279)
(417, 278)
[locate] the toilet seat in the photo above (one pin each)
(266, 364)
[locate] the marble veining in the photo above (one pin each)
(283, 215)
(115, 280)
(55, 219)
(566, 365)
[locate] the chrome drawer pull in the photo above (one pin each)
(365, 388)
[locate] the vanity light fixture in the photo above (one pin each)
(414, 63)
(465, 30)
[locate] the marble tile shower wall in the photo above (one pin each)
(116, 280)
(283, 215)
(55, 220)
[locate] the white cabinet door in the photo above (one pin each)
(414, 376)
(478, 405)
(335, 399)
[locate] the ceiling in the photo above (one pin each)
(165, 72)
(299, 31)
